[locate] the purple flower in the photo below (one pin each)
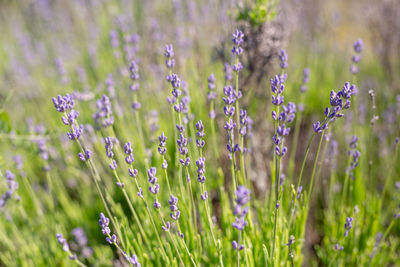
(358, 46)
(283, 58)
(166, 227)
(157, 204)
(151, 174)
(62, 242)
(228, 72)
(162, 144)
(103, 116)
(306, 79)
(80, 236)
(113, 165)
(173, 205)
(19, 164)
(339, 102)
(240, 211)
(237, 67)
(134, 261)
(86, 156)
(112, 240)
(182, 144)
(338, 247)
(75, 132)
(237, 37)
(63, 103)
(134, 70)
(211, 82)
(204, 196)
(348, 225)
(104, 222)
(109, 146)
(169, 51)
(133, 172)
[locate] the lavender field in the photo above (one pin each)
(199, 133)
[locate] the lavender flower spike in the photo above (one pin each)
(240, 211)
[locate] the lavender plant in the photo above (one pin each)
(217, 191)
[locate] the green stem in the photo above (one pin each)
(311, 186)
(237, 250)
(184, 244)
(130, 205)
(151, 219)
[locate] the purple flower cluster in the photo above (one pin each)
(134, 87)
(63, 242)
(82, 241)
(228, 72)
(173, 206)
(339, 102)
(175, 82)
(348, 225)
(130, 46)
(44, 154)
(358, 47)
(112, 239)
(285, 116)
(240, 211)
(200, 134)
(306, 79)
(110, 154)
(169, 54)
(86, 156)
(211, 93)
(162, 149)
(129, 153)
(162, 144)
(200, 163)
(114, 39)
(105, 229)
(103, 116)
(277, 87)
(355, 156)
(183, 150)
(12, 186)
(154, 187)
(229, 110)
(283, 58)
(64, 104)
(237, 49)
(245, 123)
(19, 164)
(338, 247)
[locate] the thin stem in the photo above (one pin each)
(238, 250)
(151, 219)
(189, 183)
(240, 137)
(208, 213)
(311, 186)
(166, 176)
(388, 229)
(184, 243)
(172, 238)
(130, 204)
